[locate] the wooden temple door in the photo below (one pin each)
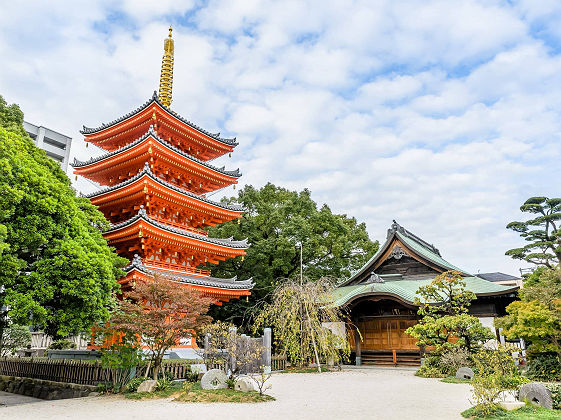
(387, 334)
(398, 340)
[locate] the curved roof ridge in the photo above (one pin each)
(151, 133)
(243, 244)
(231, 283)
(419, 246)
(146, 170)
(396, 227)
(90, 130)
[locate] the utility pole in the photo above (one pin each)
(301, 276)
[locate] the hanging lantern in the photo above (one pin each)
(239, 221)
(87, 144)
(243, 257)
(230, 154)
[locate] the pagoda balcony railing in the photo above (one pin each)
(180, 226)
(162, 265)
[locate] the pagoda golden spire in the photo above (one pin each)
(166, 75)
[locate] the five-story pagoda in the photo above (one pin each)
(156, 173)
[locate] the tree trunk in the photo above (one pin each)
(313, 339)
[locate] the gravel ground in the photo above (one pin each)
(373, 393)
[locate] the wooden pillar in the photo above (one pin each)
(358, 358)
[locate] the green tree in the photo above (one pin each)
(542, 233)
(297, 315)
(14, 338)
(445, 323)
(56, 270)
(276, 221)
(536, 318)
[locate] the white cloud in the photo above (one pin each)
(444, 115)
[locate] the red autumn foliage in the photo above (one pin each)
(161, 312)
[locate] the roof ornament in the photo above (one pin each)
(397, 252)
(395, 227)
(375, 278)
(166, 74)
(136, 261)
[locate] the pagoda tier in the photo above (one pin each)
(220, 290)
(177, 131)
(163, 201)
(165, 160)
(167, 248)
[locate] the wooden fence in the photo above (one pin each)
(83, 372)
(278, 362)
(90, 372)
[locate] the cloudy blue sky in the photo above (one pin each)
(444, 115)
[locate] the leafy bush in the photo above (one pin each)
(14, 338)
(231, 382)
(122, 353)
(544, 367)
(104, 387)
(481, 412)
(167, 375)
(430, 368)
(163, 384)
(496, 373)
(63, 344)
(191, 377)
(555, 390)
(133, 384)
(453, 359)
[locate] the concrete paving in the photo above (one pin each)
(351, 394)
(7, 399)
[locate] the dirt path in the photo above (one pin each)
(351, 394)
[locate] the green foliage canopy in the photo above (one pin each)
(14, 338)
(56, 270)
(542, 233)
(276, 220)
(445, 324)
(297, 315)
(536, 318)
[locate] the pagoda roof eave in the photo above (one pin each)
(147, 172)
(151, 133)
(142, 215)
(154, 99)
(214, 282)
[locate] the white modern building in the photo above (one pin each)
(55, 144)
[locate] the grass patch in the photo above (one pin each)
(172, 391)
(525, 413)
(194, 393)
(454, 380)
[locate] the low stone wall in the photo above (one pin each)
(46, 390)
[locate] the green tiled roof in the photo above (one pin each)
(415, 244)
(407, 289)
(429, 255)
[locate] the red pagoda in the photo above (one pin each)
(156, 173)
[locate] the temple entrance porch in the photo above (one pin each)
(379, 338)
